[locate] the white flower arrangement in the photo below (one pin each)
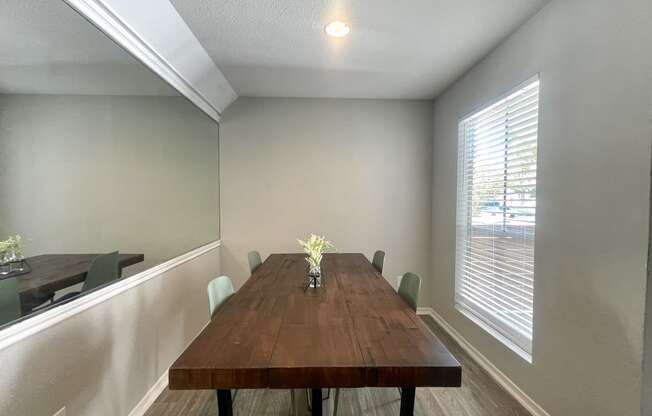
(11, 249)
(315, 247)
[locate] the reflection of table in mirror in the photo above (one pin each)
(52, 272)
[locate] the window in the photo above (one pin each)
(496, 207)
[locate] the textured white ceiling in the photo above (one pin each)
(396, 49)
(46, 47)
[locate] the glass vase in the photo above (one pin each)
(5, 266)
(314, 277)
(18, 265)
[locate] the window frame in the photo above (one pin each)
(522, 345)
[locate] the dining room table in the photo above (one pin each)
(354, 331)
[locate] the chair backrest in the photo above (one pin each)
(219, 290)
(104, 269)
(379, 260)
(9, 300)
(254, 260)
(409, 288)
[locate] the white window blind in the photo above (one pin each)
(496, 207)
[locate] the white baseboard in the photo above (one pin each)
(146, 402)
(150, 397)
(500, 378)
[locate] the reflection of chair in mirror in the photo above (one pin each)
(104, 269)
(9, 301)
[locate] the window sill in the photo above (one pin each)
(494, 333)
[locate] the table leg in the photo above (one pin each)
(407, 401)
(224, 403)
(316, 402)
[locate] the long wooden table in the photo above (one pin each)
(355, 331)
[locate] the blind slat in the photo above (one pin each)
(510, 315)
(500, 142)
(507, 286)
(523, 142)
(499, 110)
(515, 157)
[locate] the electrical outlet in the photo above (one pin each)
(61, 412)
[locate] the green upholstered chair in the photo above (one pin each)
(254, 260)
(9, 301)
(104, 269)
(409, 288)
(378, 261)
(219, 290)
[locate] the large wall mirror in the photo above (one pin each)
(105, 170)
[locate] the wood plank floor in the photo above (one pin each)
(479, 396)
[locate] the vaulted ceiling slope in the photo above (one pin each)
(396, 49)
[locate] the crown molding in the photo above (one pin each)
(192, 73)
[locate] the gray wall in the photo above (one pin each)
(594, 58)
(100, 173)
(646, 403)
(356, 171)
(102, 361)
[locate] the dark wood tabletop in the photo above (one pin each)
(355, 331)
(52, 272)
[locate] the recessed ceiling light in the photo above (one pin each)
(337, 29)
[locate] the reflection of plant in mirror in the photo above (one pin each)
(315, 247)
(11, 249)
